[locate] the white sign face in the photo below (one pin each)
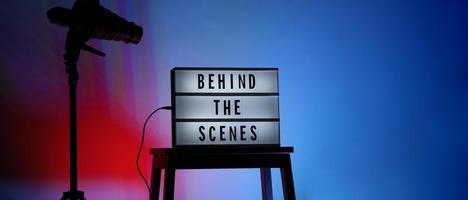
(225, 106)
(226, 81)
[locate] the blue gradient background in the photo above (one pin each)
(374, 96)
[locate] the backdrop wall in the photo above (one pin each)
(373, 96)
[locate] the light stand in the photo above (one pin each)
(86, 20)
(74, 43)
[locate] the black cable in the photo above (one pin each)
(141, 146)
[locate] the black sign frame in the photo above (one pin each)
(174, 108)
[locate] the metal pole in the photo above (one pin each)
(71, 56)
(73, 75)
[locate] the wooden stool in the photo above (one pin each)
(264, 158)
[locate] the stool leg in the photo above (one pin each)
(265, 175)
(155, 183)
(169, 181)
(287, 179)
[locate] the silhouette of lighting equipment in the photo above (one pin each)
(86, 20)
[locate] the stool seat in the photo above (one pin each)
(265, 158)
(217, 150)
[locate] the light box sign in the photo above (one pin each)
(225, 106)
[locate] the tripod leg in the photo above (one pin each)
(287, 179)
(265, 175)
(169, 181)
(155, 183)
